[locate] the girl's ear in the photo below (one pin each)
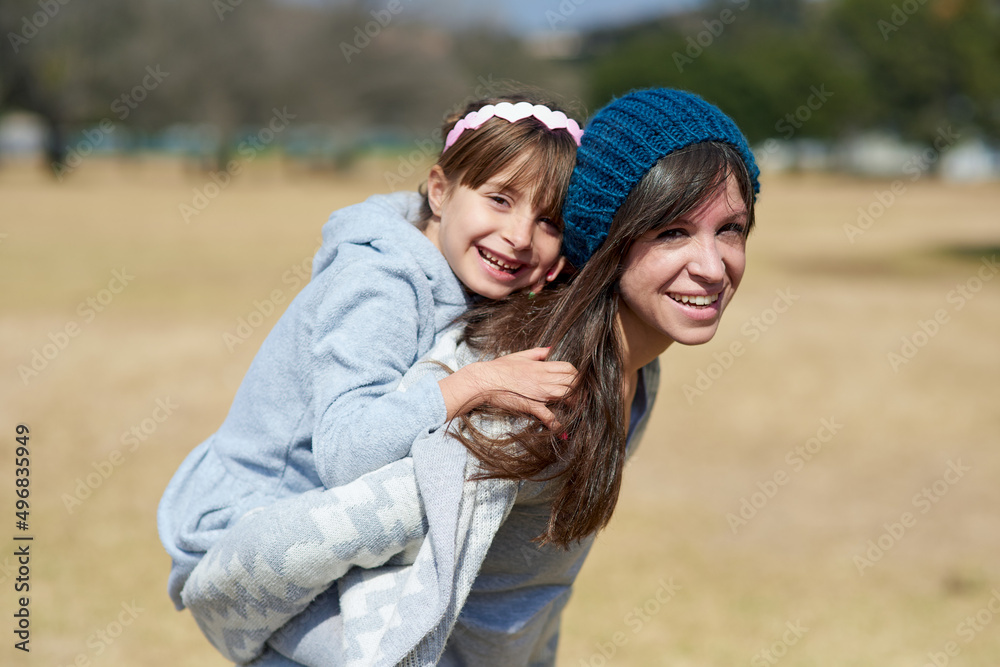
(437, 189)
(556, 269)
(551, 275)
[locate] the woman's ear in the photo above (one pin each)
(437, 189)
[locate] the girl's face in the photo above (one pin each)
(680, 277)
(494, 239)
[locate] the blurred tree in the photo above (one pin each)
(790, 68)
(925, 64)
(27, 83)
(226, 63)
(758, 68)
(765, 63)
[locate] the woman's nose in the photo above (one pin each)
(706, 263)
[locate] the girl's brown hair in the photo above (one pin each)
(578, 319)
(542, 159)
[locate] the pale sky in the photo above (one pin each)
(532, 16)
(542, 15)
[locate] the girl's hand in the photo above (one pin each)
(521, 382)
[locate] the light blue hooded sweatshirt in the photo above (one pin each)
(318, 405)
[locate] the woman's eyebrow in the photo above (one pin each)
(736, 216)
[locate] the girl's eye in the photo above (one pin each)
(499, 199)
(552, 227)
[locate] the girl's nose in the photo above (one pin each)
(518, 231)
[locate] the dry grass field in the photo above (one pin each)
(818, 485)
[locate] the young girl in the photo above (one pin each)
(318, 406)
(658, 213)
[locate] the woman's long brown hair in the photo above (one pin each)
(578, 319)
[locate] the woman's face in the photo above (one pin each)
(680, 277)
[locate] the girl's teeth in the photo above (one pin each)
(695, 300)
(496, 260)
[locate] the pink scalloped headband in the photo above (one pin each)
(554, 120)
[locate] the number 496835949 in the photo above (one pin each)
(22, 474)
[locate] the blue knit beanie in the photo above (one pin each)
(621, 143)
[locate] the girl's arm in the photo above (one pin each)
(373, 325)
(376, 318)
(522, 382)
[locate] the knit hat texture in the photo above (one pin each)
(621, 143)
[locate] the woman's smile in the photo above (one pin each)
(701, 308)
(699, 300)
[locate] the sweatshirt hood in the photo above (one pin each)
(390, 221)
(380, 217)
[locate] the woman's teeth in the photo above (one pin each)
(499, 263)
(695, 300)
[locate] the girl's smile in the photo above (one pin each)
(502, 267)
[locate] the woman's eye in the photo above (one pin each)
(670, 234)
(735, 228)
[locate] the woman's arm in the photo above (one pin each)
(274, 561)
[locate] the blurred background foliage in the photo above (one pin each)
(941, 63)
(901, 67)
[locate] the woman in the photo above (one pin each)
(657, 215)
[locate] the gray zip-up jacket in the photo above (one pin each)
(318, 406)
